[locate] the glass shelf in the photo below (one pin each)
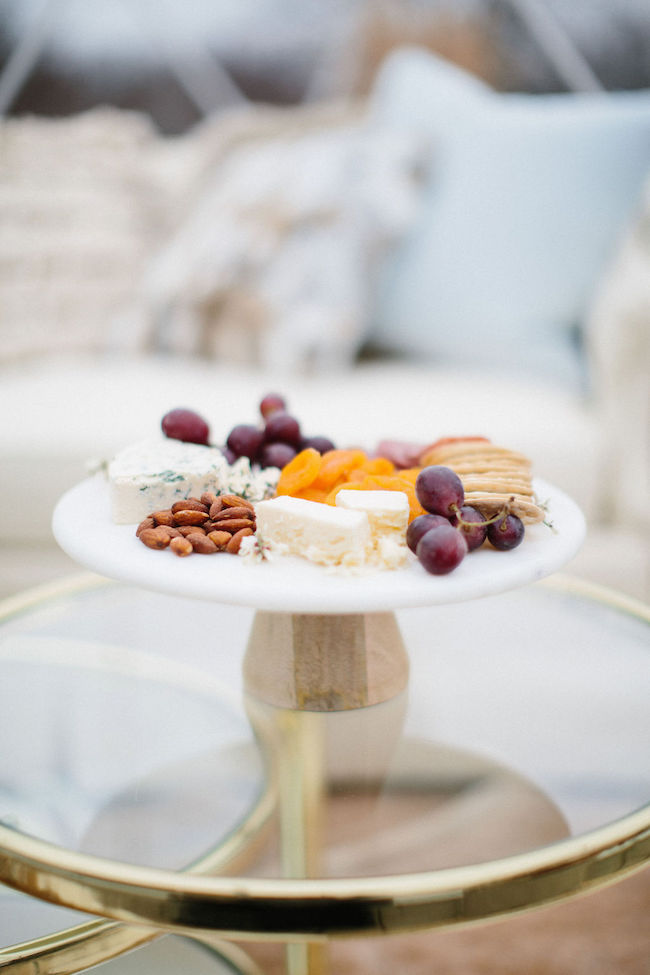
(525, 726)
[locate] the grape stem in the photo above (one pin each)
(503, 513)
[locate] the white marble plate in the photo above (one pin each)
(83, 528)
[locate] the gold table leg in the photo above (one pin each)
(307, 678)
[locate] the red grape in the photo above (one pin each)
(321, 444)
(441, 549)
(245, 440)
(182, 424)
(420, 525)
(439, 490)
(276, 454)
(472, 526)
(506, 532)
(282, 427)
(272, 403)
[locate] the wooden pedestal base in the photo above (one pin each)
(325, 663)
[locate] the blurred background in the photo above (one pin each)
(439, 205)
(177, 64)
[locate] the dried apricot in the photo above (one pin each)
(381, 482)
(357, 475)
(311, 494)
(300, 472)
(378, 465)
(344, 485)
(415, 508)
(409, 474)
(337, 464)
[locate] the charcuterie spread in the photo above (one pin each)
(269, 491)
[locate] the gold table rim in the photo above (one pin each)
(284, 909)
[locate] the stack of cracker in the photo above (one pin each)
(493, 477)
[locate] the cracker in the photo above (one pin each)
(491, 503)
(468, 450)
(488, 483)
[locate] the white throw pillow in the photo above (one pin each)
(527, 197)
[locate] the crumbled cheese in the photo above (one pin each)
(388, 516)
(251, 549)
(389, 553)
(318, 532)
(151, 475)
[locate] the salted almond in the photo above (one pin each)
(202, 544)
(208, 498)
(181, 546)
(189, 504)
(189, 516)
(163, 517)
(155, 537)
(145, 523)
(236, 511)
(234, 501)
(215, 507)
(233, 545)
(233, 525)
(220, 539)
(186, 530)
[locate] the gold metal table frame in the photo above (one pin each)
(138, 903)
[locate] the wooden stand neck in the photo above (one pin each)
(309, 662)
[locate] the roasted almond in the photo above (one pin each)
(186, 530)
(208, 498)
(155, 537)
(215, 507)
(233, 525)
(233, 545)
(237, 511)
(220, 539)
(202, 544)
(145, 523)
(163, 517)
(234, 501)
(189, 504)
(181, 546)
(189, 516)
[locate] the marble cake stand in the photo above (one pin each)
(322, 640)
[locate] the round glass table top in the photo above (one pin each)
(143, 784)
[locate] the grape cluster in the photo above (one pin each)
(442, 538)
(276, 441)
(273, 443)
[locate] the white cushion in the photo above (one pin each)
(525, 202)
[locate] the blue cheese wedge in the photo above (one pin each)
(152, 474)
(319, 532)
(388, 516)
